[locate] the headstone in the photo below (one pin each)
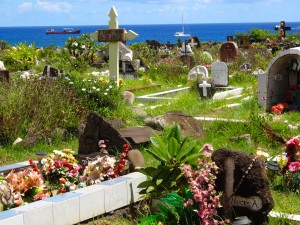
(246, 42)
(136, 159)
(98, 128)
(246, 67)
(189, 125)
(198, 72)
(208, 55)
(113, 35)
(50, 72)
(188, 61)
(229, 38)
(186, 50)
(243, 180)
(228, 51)
(205, 90)
(128, 97)
(220, 74)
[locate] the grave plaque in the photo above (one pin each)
(112, 35)
(219, 74)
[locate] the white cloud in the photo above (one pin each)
(54, 6)
(25, 6)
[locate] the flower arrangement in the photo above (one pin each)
(59, 172)
(105, 167)
(279, 108)
(60, 169)
(289, 166)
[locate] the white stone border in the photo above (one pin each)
(79, 205)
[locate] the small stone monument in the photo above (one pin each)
(198, 72)
(113, 35)
(228, 51)
(243, 180)
(219, 74)
(246, 67)
(205, 90)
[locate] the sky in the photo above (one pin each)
(95, 12)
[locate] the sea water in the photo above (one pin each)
(216, 32)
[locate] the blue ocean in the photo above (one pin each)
(163, 33)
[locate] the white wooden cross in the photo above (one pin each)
(204, 86)
(113, 35)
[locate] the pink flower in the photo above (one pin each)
(292, 142)
(294, 167)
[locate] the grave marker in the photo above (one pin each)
(198, 72)
(228, 51)
(219, 74)
(113, 35)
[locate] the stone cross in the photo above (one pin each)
(113, 35)
(204, 86)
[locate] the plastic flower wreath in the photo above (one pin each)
(279, 108)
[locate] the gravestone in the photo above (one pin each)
(198, 72)
(246, 67)
(50, 72)
(246, 42)
(208, 55)
(188, 61)
(228, 51)
(243, 180)
(205, 90)
(220, 74)
(98, 128)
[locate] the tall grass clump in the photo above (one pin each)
(36, 107)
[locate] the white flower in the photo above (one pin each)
(107, 89)
(71, 82)
(67, 78)
(94, 87)
(83, 46)
(83, 89)
(75, 43)
(105, 93)
(110, 86)
(98, 89)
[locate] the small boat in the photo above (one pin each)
(181, 33)
(64, 31)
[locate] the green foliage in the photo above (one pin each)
(19, 57)
(172, 211)
(168, 73)
(82, 48)
(144, 52)
(35, 107)
(171, 151)
(98, 94)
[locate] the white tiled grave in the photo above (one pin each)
(79, 205)
(225, 93)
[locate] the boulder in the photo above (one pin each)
(189, 125)
(98, 128)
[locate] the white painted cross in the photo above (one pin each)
(204, 87)
(113, 35)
